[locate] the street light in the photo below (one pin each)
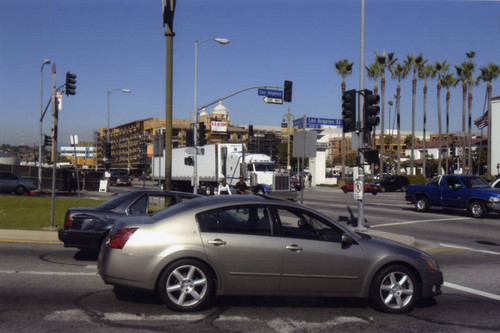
(127, 91)
(45, 62)
(197, 115)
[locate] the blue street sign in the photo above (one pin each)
(270, 93)
(317, 122)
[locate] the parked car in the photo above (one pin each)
(392, 183)
(12, 182)
(87, 227)
(257, 245)
(120, 178)
(369, 188)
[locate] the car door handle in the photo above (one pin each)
(217, 242)
(294, 248)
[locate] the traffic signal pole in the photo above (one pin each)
(361, 211)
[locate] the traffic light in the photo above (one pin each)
(250, 131)
(349, 111)
(70, 83)
(188, 160)
(107, 150)
(371, 156)
(202, 134)
(371, 111)
(452, 149)
(287, 94)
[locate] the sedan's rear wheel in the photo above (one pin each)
(186, 285)
(394, 290)
(345, 189)
(20, 190)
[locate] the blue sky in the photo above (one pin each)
(120, 44)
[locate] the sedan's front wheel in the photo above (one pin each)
(394, 290)
(186, 285)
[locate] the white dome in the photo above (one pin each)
(203, 112)
(220, 109)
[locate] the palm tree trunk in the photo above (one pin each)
(464, 97)
(382, 129)
(489, 89)
(469, 132)
(447, 129)
(343, 147)
(398, 93)
(439, 125)
(424, 172)
(413, 97)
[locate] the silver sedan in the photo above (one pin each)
(253, 245)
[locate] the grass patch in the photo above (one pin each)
(33, 213)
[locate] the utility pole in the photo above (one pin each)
(54, 143)
(361, 210)
(168, 18)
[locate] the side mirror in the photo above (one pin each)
(346, 240)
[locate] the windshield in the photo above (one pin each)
(264, 167)
(475, 182)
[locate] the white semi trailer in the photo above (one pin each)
(224, 160)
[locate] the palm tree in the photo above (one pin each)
(385, 61)
(465, 73)
(344, 68)
(441, 68)
(399, 71)
(414, 62)
(425, 72)
(448, 81)
(488, 74)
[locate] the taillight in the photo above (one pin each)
(68, 221)
(120, 237)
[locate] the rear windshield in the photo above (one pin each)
(173, 210)
(113, 203)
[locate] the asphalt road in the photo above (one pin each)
(46, 287)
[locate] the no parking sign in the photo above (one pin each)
(358, 190)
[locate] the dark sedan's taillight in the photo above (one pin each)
(68, 221)
(118, 239)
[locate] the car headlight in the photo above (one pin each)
(494, 200)
(431, 262)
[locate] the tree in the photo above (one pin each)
(344, 68)
(440, 68)
(414, 62)
(425, 73)
(399, 71)
(385, 61)
(488, 74)
(448, 81)
(465, 73)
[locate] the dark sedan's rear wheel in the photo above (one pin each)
(20, 190)
(345, 189)
(394, 290)
(186, 285)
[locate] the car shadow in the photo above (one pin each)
(86, 255)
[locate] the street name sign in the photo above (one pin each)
(271, 93)
(273, 100)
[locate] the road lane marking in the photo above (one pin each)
(472, 291)
(470, 249)
(47, 273)
(418, 221)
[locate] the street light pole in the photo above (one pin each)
(127, 91)
(197, 115)
(45, 62)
